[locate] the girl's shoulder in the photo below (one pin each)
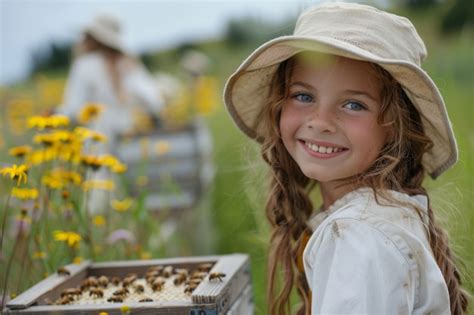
(363, 205)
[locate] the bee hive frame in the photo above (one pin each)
(231, 296)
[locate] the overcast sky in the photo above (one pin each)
(28, 24)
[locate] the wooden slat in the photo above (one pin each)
(237, 270)
(50, 287)
(244, 304)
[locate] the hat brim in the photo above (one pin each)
(247, 88)
(105, 38)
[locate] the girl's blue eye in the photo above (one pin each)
(354, 106)
(302, 97)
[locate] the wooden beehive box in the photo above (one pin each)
(232, 295)
(177, 163)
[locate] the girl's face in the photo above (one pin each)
(329, 122)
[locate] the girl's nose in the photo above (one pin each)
(322, 120)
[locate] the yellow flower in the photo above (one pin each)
(125, 309)
(77, 260)
(20, 151)
(121, 205)
(92, 161)
(99, 220)
(162, 147)
(72, 238)
(206, 95)
(16, 172)
(113, 163)
(98, 184)
(118, 168)
(145, 255)
(86, 133)
(90, 112)
(39, 255)
(59, 178)
(103, 313)
(42, 122)
(25, 193)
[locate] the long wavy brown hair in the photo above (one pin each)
(113, 59)
(398, 167)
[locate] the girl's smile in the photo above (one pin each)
(329, 119)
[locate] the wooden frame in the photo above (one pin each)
(209, 298)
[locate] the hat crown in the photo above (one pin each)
(380, 33)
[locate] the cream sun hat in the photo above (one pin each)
(353, 31)
(107, 30)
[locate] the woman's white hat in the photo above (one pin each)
(353, 31)
(107, 30)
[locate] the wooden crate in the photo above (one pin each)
(178, 177)
(231, 296)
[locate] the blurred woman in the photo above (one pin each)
(103, 73)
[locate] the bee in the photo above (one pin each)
(139, 288)
(198, 275)
(116, 299)
(98, 293)
(205, 267)
(71, 292)
(150, 279)
(216, 276)
(167, 271)
(121, 292)
(193, 281)
(158, 269)
(189, 289)
(180, 271)
(179, 279)
(145, 300)
(103, 281)
(152, 273)
(129, 280)
(89, 282)
(157, 285)
(63, 271)
(115, 280)
(67, 299)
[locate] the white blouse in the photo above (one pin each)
(366, 258)
(89, 81)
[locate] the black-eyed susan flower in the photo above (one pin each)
(16, 172)
(43, 122)
(85, 133)
(125, 310)
(92, 161)
(206, 95)
(77, 260)
(20, 151)
(25, 193)
(121, 205)
(98, 185)
(118, 168)
(71, 238)
(98, 220)
(90, 112)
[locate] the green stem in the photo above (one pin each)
(4, 221)
(5, 285)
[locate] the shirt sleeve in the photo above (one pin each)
(145, 89)
(356, 269)
(77, 90)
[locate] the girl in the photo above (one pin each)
(343, 104)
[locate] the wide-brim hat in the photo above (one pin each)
(353, 31)
(107, 30)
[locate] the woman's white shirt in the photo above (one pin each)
(89, 81)
(366, 258)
